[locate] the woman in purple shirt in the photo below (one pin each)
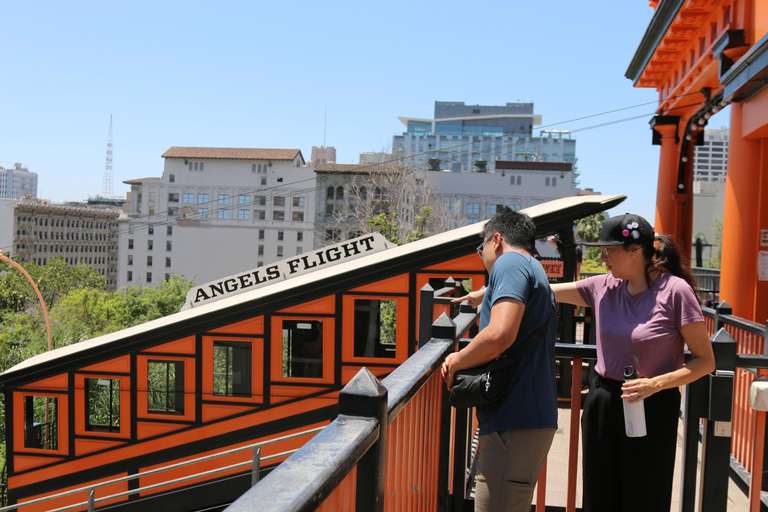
(646, 313)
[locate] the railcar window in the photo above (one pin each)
(41, 422)
(375, 328)
(303, 348)
(103, 408)
(231, 368)
(165, 387)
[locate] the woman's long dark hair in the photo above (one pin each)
(668, 256)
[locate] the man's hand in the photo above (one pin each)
(474, 298)
(446, 370)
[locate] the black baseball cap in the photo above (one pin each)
(625, 229)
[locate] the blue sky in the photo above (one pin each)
(262, 74)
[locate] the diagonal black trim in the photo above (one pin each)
(163, 354)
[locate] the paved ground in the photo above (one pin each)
(557, 471)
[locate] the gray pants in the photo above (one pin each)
(508, 466)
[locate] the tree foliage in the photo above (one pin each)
(80, 307)
(588, 230)
(717, 242)
(397, 202)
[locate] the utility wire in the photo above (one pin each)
(398, 160)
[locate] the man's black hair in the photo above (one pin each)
(515, 227)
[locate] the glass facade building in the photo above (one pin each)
(459, 135)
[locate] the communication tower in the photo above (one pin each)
(107, 187)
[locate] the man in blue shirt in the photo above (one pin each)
(516, 430)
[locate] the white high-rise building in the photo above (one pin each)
(710, 161)
(215, 212)
(17, 183)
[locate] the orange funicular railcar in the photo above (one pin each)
(245, 369)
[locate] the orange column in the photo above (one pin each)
(666, 206)
(744, 202)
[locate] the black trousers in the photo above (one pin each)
(628, 474)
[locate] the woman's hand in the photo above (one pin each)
(474, 298)
(638, 389)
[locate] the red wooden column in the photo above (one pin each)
(666, 134)
(741, 223)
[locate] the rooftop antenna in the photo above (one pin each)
(325, 125)
(107, 187)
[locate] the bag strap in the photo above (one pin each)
(521, 348)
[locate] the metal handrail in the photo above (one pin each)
(167, 468)
(741, 323)
(168, 482)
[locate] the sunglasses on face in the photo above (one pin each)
(482, 246)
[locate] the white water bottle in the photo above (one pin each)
(634, 414)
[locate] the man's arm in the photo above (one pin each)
(491, 342)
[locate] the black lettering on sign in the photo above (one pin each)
(350, 247)
(216, 287)
(273, 272)
(294, 266)
(201, 295)
(333, 254)
(245, 281)
(258, 278)
(305, 259)
(367, 241)
(553, 268)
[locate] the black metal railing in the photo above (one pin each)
(358, 437)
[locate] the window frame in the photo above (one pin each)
(142, 376)
(62, 419)
(257, 370)
(329, 335)
(81, 412)
(348, 335)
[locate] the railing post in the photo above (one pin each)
(256, 466)
(426, 305)
(365, 396)
(695, 406)
(92, 500)
(758, 403)
(722, 309)
(444, 328)
(458, 291)
(444, 461)
(716, 445)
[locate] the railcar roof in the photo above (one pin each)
(549, 218)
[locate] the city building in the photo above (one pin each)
(215, 212)
(34, 230)
(322, 155)
(517, 184)
(710, 160)
(373, 157)
(17, 183)
(709, 172)
(467, 197)
(460, 135)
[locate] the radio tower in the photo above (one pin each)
(107, 188)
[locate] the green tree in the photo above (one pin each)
(588, 230)
(80, 308)
(717, 242)
(54, 280)
(394, 200)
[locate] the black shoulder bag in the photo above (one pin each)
(483, 384)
